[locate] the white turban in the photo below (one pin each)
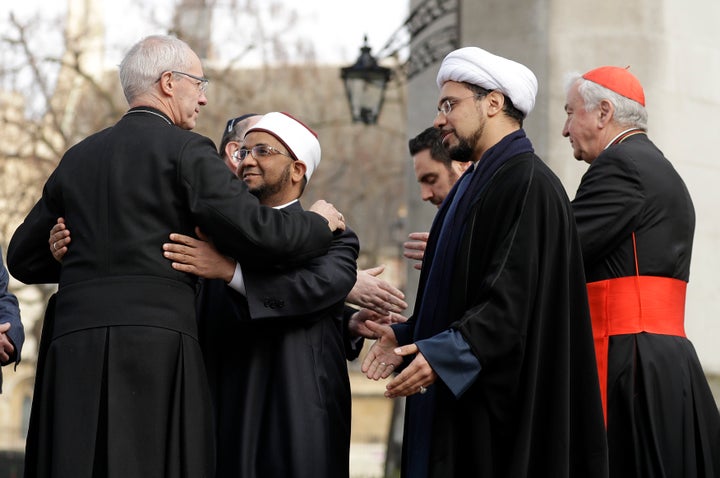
(301, 142)
(478, 67)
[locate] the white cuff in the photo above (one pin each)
(238, 282)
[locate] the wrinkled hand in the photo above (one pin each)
(371, 292)
(381, 360)
(198, 256)
(7, 350)
(357, 323)
(415, 248)
(417, 374)
(59, 239)
(334, 218)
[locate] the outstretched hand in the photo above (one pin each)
(371, 292)
(381, 360)
(358, 322)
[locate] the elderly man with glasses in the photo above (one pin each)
(123, 391)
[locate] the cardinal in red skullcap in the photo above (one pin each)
(636, 222)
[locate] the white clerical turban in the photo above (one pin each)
(301, 142)
(478, 67)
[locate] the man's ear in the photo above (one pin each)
(496, 102)
(299, 170)
(606, 112)
(166, 83)
(231, 147)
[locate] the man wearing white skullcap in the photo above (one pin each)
(497, 360)
(273, 339)
(481, 68)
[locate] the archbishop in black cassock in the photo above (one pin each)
(122, 391)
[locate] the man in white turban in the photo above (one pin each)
(273, 339)
(497, 360)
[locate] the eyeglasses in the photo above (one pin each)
(258, 151)
(202, 82)
(447, 106)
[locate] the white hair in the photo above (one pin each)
(628, 112)
(148, 59)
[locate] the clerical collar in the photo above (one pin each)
(282, 206)
(149, 111)
(624, 134)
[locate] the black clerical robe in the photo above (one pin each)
(517, 393)
(277, 369)
(124, 391)
(662, 419)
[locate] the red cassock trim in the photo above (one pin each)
(630, 305)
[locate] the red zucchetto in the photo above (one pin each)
(619, 80)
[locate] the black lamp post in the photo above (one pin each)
(365, 83)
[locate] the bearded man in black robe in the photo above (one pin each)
(497, 360)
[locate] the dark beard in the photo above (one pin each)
(266, 191)
(465, 149)
(462, 152)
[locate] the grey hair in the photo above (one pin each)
(628, 112)
(148, 59)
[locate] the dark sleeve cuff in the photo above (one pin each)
(450, 357)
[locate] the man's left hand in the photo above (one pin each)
(415, 378)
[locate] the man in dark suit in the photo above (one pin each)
(273, 338)
(124, 390)
(12, 334)
(636, 221)
(497, 359)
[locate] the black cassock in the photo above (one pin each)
(662, 419)
(277, 369)
(121, 387)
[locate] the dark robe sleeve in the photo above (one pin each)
(353, 345)
(450, 357)
(219, 203)
(29, 258)
(253, 234)
(607, 205)
(318, 284)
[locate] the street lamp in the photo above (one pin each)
(365, 83)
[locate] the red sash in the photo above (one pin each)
(630, 305)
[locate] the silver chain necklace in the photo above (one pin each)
(151, 112)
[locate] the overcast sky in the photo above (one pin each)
(335, 28)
